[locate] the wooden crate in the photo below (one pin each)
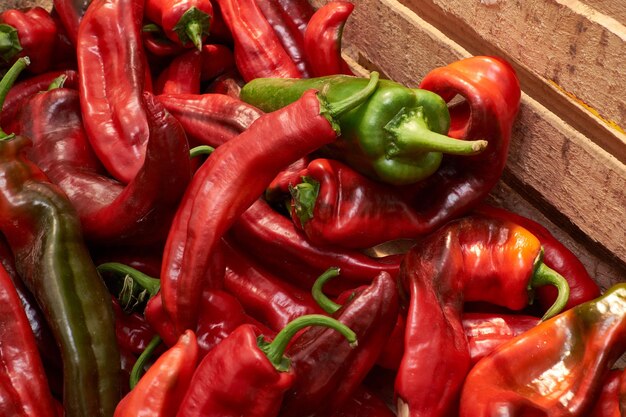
(566, 166)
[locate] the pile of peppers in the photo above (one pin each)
(205, 212)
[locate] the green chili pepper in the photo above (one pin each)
(398, 136)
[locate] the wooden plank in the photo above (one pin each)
(549, 158)
(561, 48)
(613, 8)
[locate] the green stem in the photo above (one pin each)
(410, 134)
(317, 291)
(151, 28)
(58, 82)
(7, 82)
(338, 108)
(137, 371)
(275, 350)
(304, 196)
(152, 285)
(192, 27)
(201, 150)
(10, 44)
(545, 275)
(194, 32)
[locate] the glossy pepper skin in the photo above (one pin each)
(185, 22)
(470, 259)
(258, 50)
(32, 33)
(557, 256)
(607, 402)
(276, 243)
(70, 13)
(43, 231)
(237, 172)
(112, 83)
(264, 296)
(329, 372)
(23, 383)
(247, 376)
(110, 212)
(181, 76)
(576, 349)
(397, 136)
(322, 39)
(161, 389)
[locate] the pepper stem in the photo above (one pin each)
(304, 196)
(192, 27)
(544, 275)
(145, 281)
(137, 371)
(409, 134)
(201, 150)
(317, 291)
(336, 109)
(7, 82)
(58, 82)
(275, 349)
(10, 44)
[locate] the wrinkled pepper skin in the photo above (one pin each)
(322, 39)
(555, 369)
(557, 256)
(112, 83)
(44, 233)
(162, 388)
(470, 259)
(328, 371)
(110, 212)
(24, 389)
(237, 173)
(37, 35)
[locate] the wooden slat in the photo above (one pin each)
(548, 157)
(614, 8)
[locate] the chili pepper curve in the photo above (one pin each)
(196, 232)
(470, 259)
(183, 21)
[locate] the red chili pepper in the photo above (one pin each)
(258, 50)
(185, 22)
(181, 76)
(23, 90)
(363, 403)
(238, 172)
(557, 256)
(247, 376)
(557, 368)
(272, 301)
(288, 33)
(109, 211)
(607, 404)
(228, 84)
(210, 119)
(470, 259)
(32, 33)
(112, 82)
(328, 372)
(299, 12)
(216, 60)
(71, 12)
(276, 243)
(159, 46)
(162, 388)
(23, 386)
(132, 331)
(322, 39)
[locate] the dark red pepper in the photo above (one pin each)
(228, 183)
(71, 12)
(607, 404)
(269, 299)
(258, 50)
(228, 84)
(247, 376)
(112, 83)
(556, 255)
(364, 403)
(216, 60)
(181, 76)
(322, 39)
(328, 372)
(185, 22)
(132, 331)
(109, 211)
(23, 386)
(470, 259)
(35, 36)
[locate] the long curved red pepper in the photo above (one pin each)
(109, 211)
(557, 256)
(322, 39)
(258, 51)
(185, 22)
(181, 76)
(70, 13)
(112, 83)
(24, 389)
(237, 173)
(470, 259)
